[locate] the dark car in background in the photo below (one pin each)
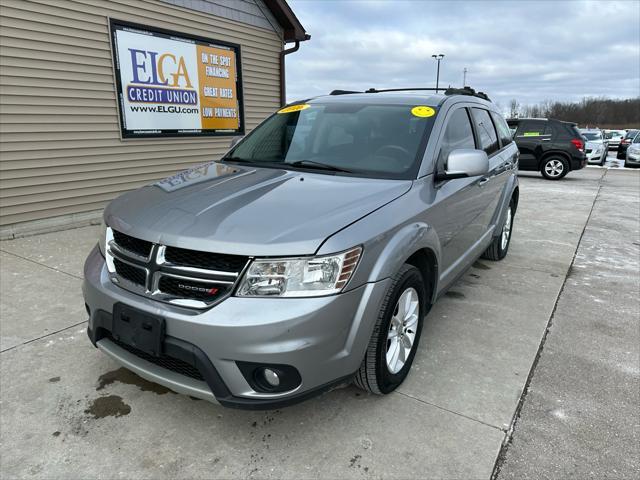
(625, 142)
(548, 146)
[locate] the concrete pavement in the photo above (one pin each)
(581, 414)
(68, 411)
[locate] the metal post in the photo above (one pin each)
(438, 57)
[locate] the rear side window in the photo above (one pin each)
(487, 135)
(458, 134)
(533, 128)
(504, 132)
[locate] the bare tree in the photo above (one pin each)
(589, 112)
(514, 108)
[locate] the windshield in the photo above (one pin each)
(592, 135)
(383, 141)
(613, 134)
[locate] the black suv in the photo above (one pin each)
(548, 146)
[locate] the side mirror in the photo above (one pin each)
(235, 140)
(465, 163)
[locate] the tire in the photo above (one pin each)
(375, 375)
(500, 244)
(554, 167)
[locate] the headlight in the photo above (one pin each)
(299, 277)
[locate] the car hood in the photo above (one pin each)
(249, 211)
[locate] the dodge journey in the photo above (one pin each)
(311, 253)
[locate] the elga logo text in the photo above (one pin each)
(160, 78)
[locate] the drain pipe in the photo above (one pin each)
(287, 51)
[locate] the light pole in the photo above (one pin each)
(464, 77)
(438, 57)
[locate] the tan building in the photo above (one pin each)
(102, 96)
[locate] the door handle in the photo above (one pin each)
(483, 180)
(546, 139)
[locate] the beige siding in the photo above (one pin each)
(60, 146)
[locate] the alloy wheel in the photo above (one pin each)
(554, 168)
(402, 330)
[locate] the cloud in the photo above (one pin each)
(532, 51)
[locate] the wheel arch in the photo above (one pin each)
(416, 244)
(426, 262)
(516, 196)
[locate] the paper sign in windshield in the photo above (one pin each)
(423, 111)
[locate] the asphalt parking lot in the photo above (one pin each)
(68, 411)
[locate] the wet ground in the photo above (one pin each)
(68, 411)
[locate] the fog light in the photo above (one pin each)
(271, 377)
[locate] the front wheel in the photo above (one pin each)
(554, 168)
(396, 334)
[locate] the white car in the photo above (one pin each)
(614, 137)
(633, 153)
(597, 147)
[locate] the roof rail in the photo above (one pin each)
(374, 90)
(343, 92)
(467, 91)
(447, 91)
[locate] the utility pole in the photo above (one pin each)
(464, 77)
(438, 57)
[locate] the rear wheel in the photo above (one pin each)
(500, 244)
(396, 334)
(554, 168)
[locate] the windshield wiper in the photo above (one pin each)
(236, 159)
(259, 163)
(319, 165)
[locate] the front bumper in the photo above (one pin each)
(595, 155)
(633, 158)
(324, 338)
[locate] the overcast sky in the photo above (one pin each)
(528, 50)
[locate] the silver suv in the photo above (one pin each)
(308, 255)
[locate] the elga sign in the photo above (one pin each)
(171, 84)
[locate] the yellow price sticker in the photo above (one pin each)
(294, 108)
(423, 111)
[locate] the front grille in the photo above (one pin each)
(169, 274)
(135, 245)
(190, 289)
(205, 260)
(165, 361)
(129, 272)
